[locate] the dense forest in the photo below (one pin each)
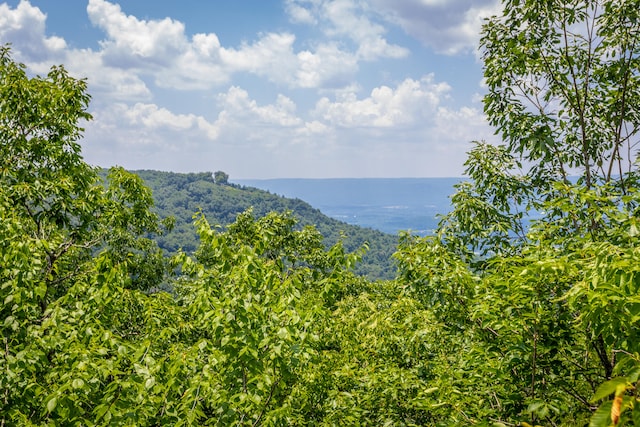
(493, 320)
(182, 195)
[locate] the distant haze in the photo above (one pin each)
(385, 204)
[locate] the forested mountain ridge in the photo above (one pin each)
(181, 195)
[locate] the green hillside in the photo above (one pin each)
(182, 195)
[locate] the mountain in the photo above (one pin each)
(181, 195)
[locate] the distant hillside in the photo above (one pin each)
(181, 195)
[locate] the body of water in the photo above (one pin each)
(386, 204)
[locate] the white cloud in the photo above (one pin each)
(347, 18)
(299, 14)
(150, 116)
(135, 50)
(410, 103)
(158, 48)
(450, 27)
(246, 112)
(464, 124)
(240, 119)
(161, 49)
(132, 42)
(271, 56)
(24, 27)
(152, 125)
(327, 67)
(107, 83)
(401, 131)
(406, 128)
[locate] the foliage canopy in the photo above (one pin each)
(527, 270)
(523, 308)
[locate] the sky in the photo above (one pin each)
(267, 88)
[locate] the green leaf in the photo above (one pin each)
(608, 388)
(51, 404)
(602, 417)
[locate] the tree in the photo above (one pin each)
(524, 295)
(221, 178)
(64, 206)
(564, 87)
(564, 95)
(63, 231)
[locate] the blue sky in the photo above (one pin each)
(267, 88)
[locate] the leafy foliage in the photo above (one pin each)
(532, 271)
(60, 228)
(500, 318)
(87, 336)
(563, 86)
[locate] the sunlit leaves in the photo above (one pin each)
(533, 271)
(562, 90)
(57, 292)
(499, 317)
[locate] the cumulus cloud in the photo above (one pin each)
(383, 134)
(346, 136)
(328, 66)
(151, 116)
(239, 108)
(134, 50)
(347, 18)
(271, 56)
(300, 14)
(447, 26)
(147, 124)
(161, 48)
(358, 126)
(24, 26)
(108, 83)
(409, 103)
(238, 114)
(157, 48)
(132, 42)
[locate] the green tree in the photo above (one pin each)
(221, 177)
(375, 362)
(60, 226)
(525, 299)
(564, 87)
(254, 295)
(180, 195)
